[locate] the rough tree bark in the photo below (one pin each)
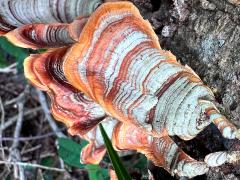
(206, 36)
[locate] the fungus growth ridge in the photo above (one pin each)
(162, 152)
(21, 12)
(44, 23)
(118, 63)
(43, 36)
(69, 106)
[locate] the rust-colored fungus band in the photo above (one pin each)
(37, 36)
(69, 105)
(16, 13)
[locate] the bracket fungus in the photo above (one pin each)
(16, 13)
(110, 68)
(43, 36)
(44, 23)
(119, 64)
(236, 2)
(69, 105)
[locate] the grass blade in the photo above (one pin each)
(120, 170)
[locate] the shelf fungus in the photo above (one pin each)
(113, 70)
(44, 23)
(43, 36)
(162, 151)
(69, 105)
(119, 64)
(16, 13)
(236, 2)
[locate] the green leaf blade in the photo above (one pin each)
(120, 170)
(69, 151)
(97, 173)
